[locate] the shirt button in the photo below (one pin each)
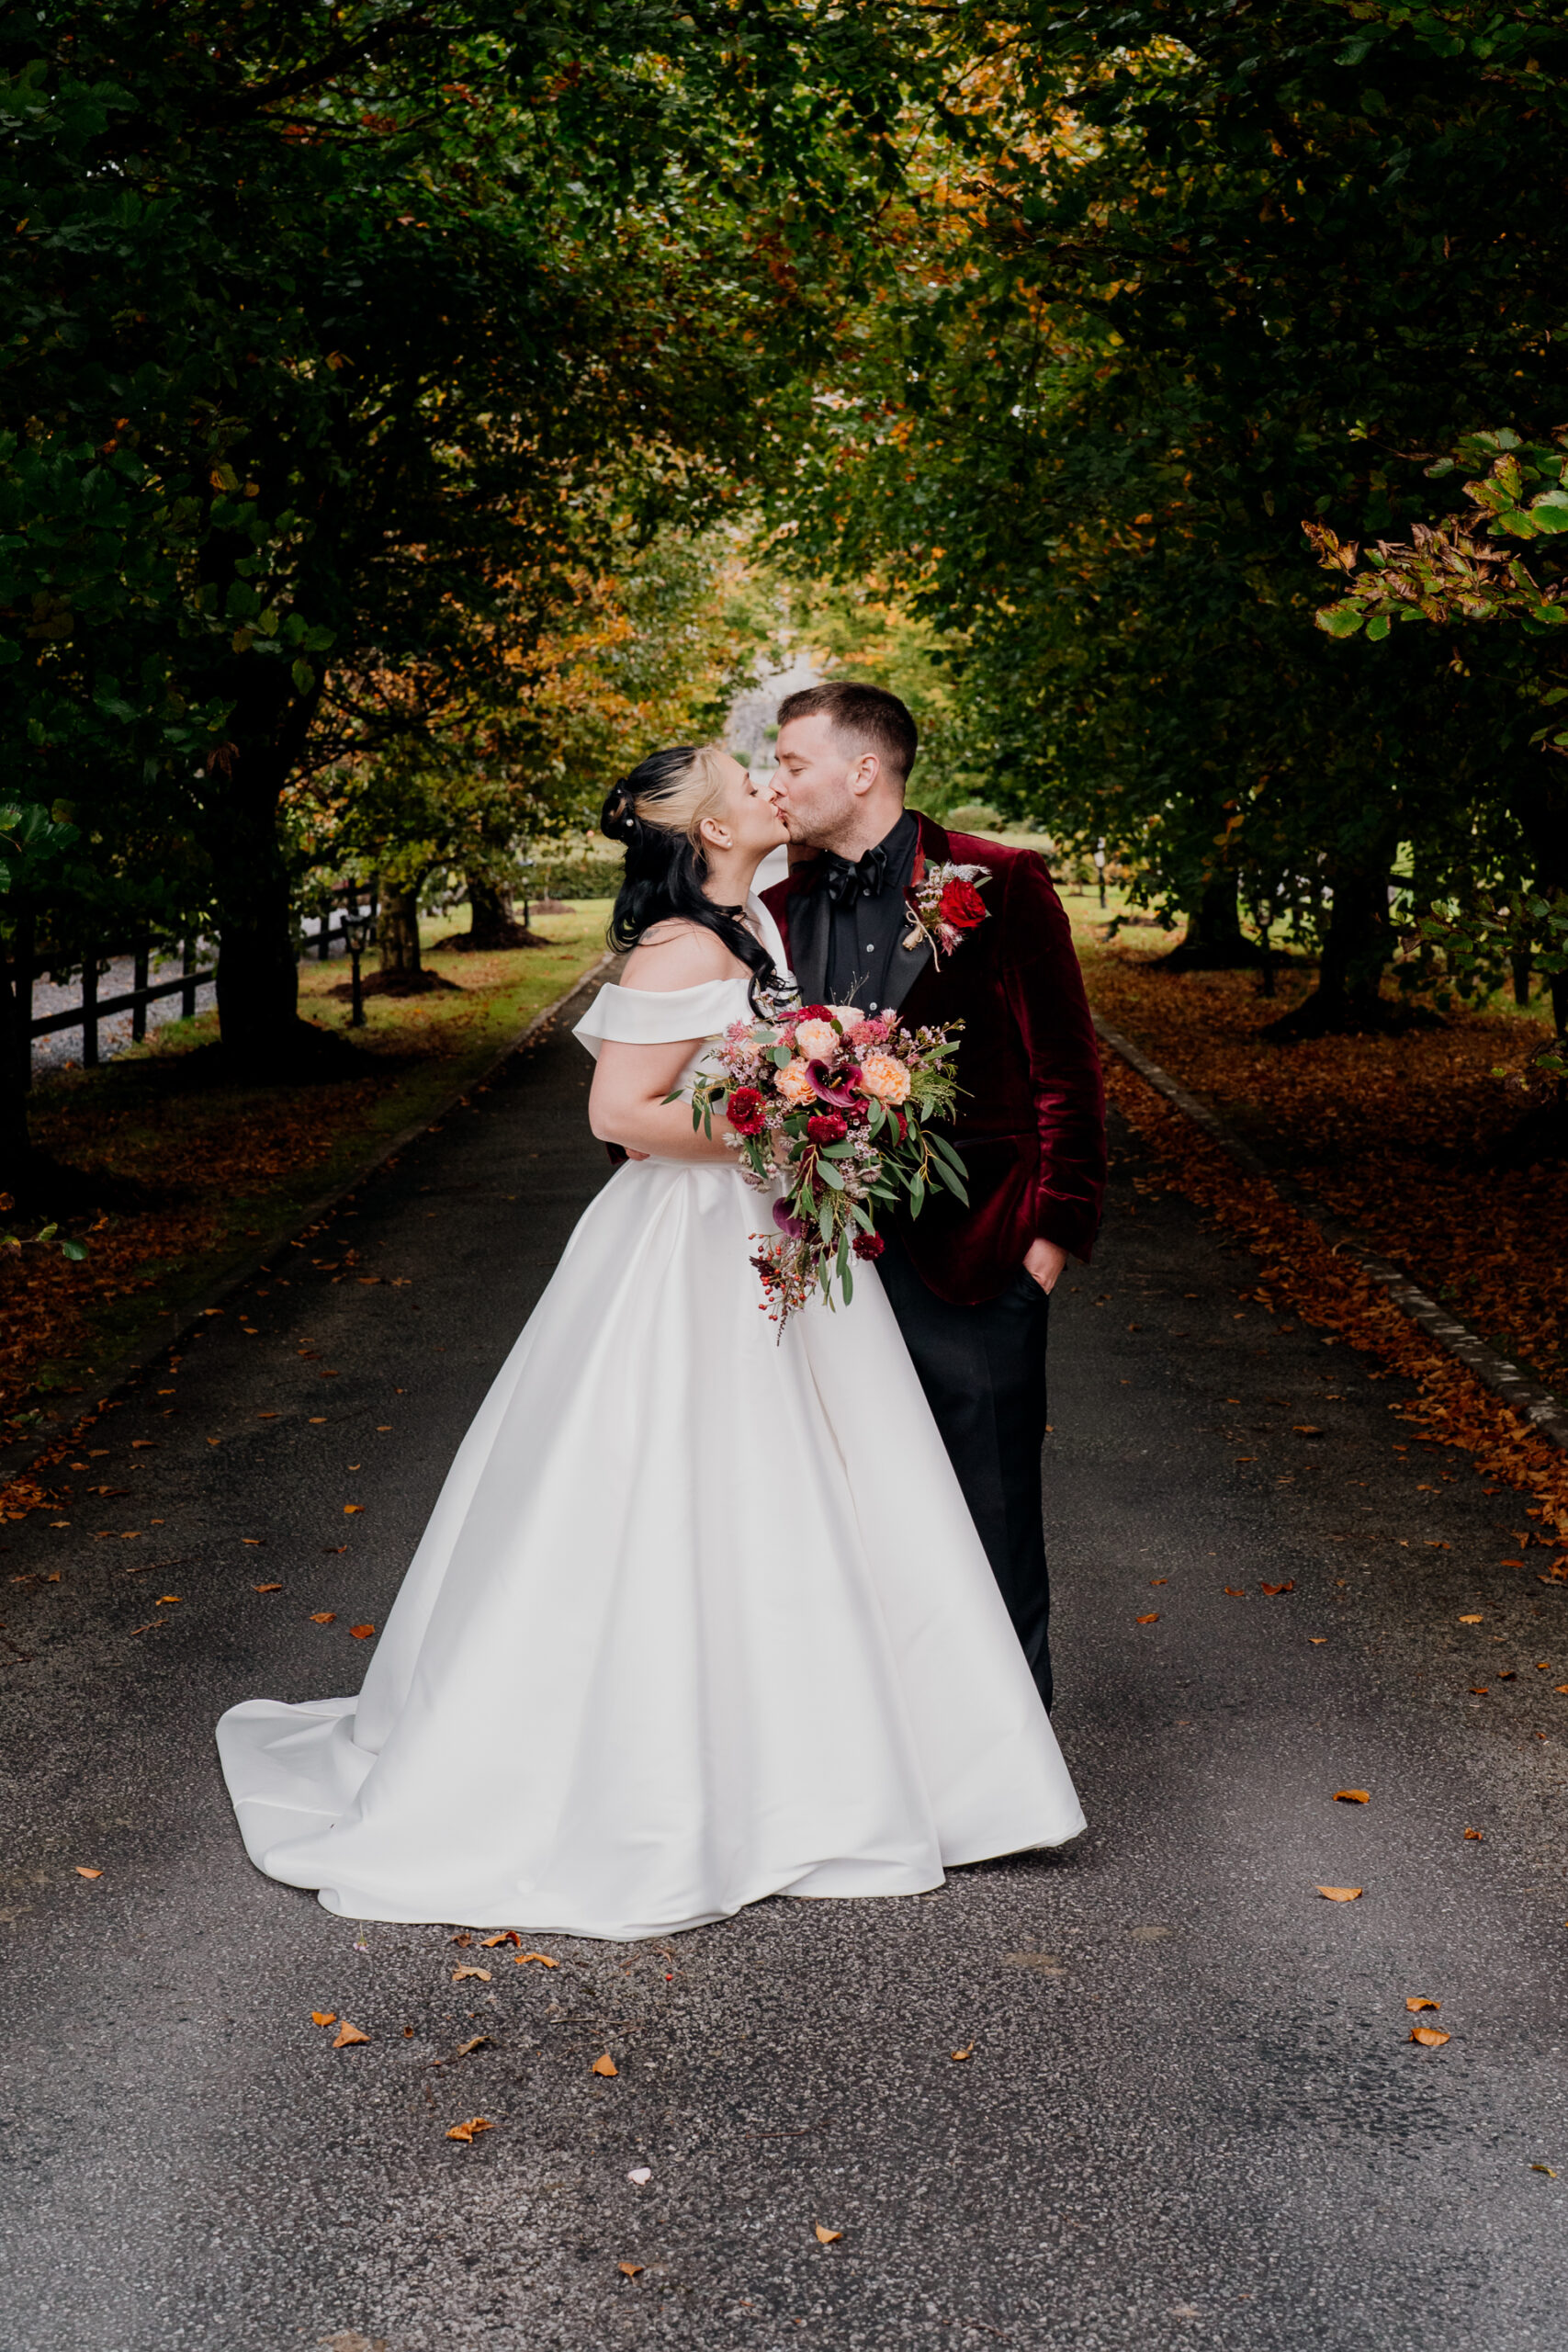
(870, 946)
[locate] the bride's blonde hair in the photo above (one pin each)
(656, 814)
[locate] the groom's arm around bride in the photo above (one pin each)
(861, 922)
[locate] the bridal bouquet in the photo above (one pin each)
(841, 1108)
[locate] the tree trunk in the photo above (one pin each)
(264, 1039)
(1214, 941)
(1356, 948)
(397, 935)
(494, 925)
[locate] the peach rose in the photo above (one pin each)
(886, 1076)
(794, 1082)
(817, 1040)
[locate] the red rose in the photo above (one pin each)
(813, 1012)
(826, 1126)
(746, 1111)
(961, 905)
(868, 1245)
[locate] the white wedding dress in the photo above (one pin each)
(699, 1617)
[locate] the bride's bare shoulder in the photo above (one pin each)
(677, 955)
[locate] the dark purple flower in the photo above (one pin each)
(830, 1089)
(793, 1225)
(868, 1245)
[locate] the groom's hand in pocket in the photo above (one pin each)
(1045, 1263)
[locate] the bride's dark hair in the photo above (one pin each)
(655, 814)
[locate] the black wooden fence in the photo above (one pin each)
(143, 991)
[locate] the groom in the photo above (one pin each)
(970, 1286)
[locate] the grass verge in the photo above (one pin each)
(224, 1169)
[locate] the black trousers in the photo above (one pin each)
(983, 1369)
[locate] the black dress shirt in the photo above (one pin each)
(863, 934)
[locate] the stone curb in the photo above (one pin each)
(1537, 1406)
(184, 1318)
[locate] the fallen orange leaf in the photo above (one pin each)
(1289, 1585)
(1352, 1796)
(1476, 1834)
(507, 1936)
(1413, 2001)
(1479, 1691)
(958, 2055)
(465, 2049)
(1340, 1893)
(347, 2033)
(1510, 1563)
(362, 1632)
(349, 1510)
(1152, 1619)
(468, 2133)
(167, 1601)
(1429, 2036)
(324, 1617)
(83, 1872)
(323, 2017)
(523, 1958)
(1471, 1620)
(826, 2237)
(629, 2269)
(1317, 1640)
(1153, 1580)
(266, 1587)
(604, 2065)
(1235, 1592)
(458, 1974)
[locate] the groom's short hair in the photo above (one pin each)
(868, 717)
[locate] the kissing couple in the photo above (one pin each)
(707, 1611)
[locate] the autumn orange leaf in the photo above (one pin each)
(826, 2237)
(1153, 1580)
(323, 2017)
(1471, 1620)
(324, 1617)
(362, 1632)
(604, 2065)
(1352, 1796)
(629, 2269)
(460, 1974)
(958, 2056)
(1413, 2001)
(507, 1936)
(347, 2033)
(1289, 1585)
(83, 1872)
(349, 1510)
(523, 1958)
(266, 1587)
(1430, 2037)
(1476, 1834)
(468, 2133)
(1479, 1691)
(1152, 1619)
(1341, 1893)
(1317, 1640)
(1235, 1592)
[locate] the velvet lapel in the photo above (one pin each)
(810, 912)
(909, 963)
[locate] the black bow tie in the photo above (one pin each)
(844, 882)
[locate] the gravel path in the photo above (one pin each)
(1192, 2115)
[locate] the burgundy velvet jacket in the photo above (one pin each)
(1031, 1118)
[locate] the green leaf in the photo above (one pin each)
(1378, 627)
(1338, 620)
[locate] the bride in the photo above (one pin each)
(699, 1616)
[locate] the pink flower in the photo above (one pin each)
(864, 1034)
(737, 1033)
(885, 1077)
(794, 1082)
(817, 1040)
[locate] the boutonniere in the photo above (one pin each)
(946, 904)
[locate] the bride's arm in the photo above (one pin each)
(627, 1104)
